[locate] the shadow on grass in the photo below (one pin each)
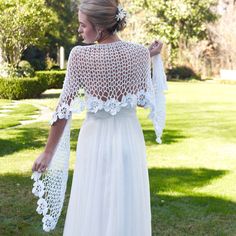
(181, 179)
(193, 215)
(54, 94)
(171, 214)
(33, 137)
(178, 208)
(22, 138)
(29, 138)
(169, 136)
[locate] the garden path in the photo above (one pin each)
(44, 113)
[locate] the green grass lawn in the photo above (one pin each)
(14, 113)
(192, 174)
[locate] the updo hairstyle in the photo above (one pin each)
(102, 13)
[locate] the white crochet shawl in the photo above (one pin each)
(99, 77)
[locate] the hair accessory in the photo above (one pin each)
(121, 13)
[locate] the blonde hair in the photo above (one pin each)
(102, 13)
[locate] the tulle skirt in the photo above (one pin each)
(110, 193)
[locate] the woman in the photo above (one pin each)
(110, 190)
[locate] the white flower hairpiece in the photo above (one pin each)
(121, 13)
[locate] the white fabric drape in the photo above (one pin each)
(110, 189)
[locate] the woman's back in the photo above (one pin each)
(109, 71)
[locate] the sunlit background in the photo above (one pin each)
(192, 173)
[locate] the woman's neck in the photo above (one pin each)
(109, 39)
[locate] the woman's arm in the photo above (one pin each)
(155, 48)
(71, 86)
(43, 160)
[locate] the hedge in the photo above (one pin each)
(54, 78)
(182, 73)
(20, 88)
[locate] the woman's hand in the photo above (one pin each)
(155, 48)
(42, 162)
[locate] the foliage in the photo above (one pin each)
(136, 30)
(218, 51)
(7, 70)
(20, 88)
(22, 23)
(64, 33)
(54, 78)
(222, 38)
(177, 20)
(23, 69)
(36, 56)
(182, 73)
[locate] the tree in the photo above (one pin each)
(177, 20)
(65, 30)
(223, 34)
(22, 23)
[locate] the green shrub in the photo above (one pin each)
(20, 88)
(7, 70)
(49, 63)
(25, 69)
(182, 73)
(54, 78)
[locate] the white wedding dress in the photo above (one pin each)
(110, 189)
(110, 193)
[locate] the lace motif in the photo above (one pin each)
(99, 77)
(50, 186)
(93, 104)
